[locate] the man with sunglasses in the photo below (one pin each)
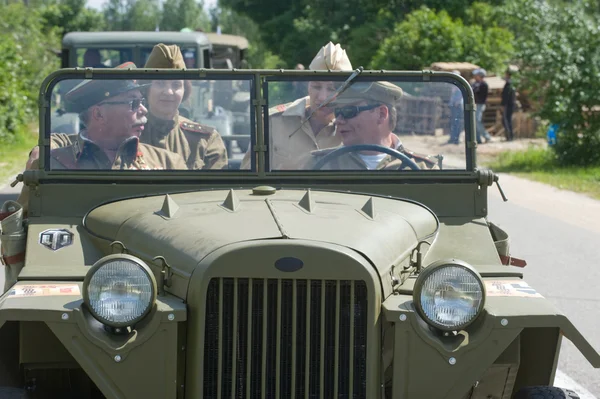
(365, 113)
(114, 115)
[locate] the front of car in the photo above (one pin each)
(347, 259)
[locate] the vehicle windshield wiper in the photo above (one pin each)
(329, 99)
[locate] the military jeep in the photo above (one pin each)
(310, 282)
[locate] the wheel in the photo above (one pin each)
(366, 147)
(545, 392)
(13, 393)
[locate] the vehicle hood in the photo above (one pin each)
(186, 227)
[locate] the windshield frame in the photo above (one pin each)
(258, 79)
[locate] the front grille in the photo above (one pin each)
(285, 339)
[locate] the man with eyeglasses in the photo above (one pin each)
(365, 113)
(114, 114)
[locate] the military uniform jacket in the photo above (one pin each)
(131, 155)
(201, 146)
(352, 161)
(73, 152)
(291, 139)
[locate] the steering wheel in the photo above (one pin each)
(367, 147)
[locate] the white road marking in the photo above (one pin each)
(562, 380)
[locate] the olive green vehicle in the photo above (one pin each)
(264, 283)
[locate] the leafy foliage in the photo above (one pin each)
(426, 36)
(557, 49)
(28, 56)
(71, 16)
(179, 14)
(234, 23)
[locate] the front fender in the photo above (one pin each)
(143, 363)
(457, 364)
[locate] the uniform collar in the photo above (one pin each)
(83, 147)
(161, 125)
(298, 108)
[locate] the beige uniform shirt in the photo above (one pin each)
(352, 160)
(75, 152)
(85, 154)
(200, 145)
(291, 140)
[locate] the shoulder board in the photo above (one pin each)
(196, 127)
(278, 109)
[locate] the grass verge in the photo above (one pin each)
(14, 155)
(540, 165)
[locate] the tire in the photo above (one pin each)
(545, 392)
(13, 393)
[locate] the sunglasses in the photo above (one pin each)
(350, 111)
(134, 103)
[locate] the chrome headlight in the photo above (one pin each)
(119, 290)
(449, 295)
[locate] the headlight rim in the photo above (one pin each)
(96, 266)
(426, 272)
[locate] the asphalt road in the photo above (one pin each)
(557, 232)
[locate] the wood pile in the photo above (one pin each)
(524, 125)
(418, 115)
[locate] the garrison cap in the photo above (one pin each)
(380, 91)
(163, 56)
(331, 57)
(92, 92)
(169, 57)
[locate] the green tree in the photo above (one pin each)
(28, 56)
(71, 16)
(179, 14)
(234, 23)
(116, 15)
(557, 51)
(426, 36)
(144, 15)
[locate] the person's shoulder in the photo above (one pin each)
(190, 126)
(167, 159)
(294, 108)
(64, 156)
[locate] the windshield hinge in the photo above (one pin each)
(417, 262)
(486, 178)
(165, 275)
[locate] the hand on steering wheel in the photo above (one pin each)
(367, 147)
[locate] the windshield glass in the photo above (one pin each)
(154, 124)
(402, 124)
(391, 124)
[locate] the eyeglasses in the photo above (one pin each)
(350, 111)
(134, 103)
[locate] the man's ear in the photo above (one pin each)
(97, 113)
(384, 114)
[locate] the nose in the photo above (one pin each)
(142, 109)
(322, 95)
